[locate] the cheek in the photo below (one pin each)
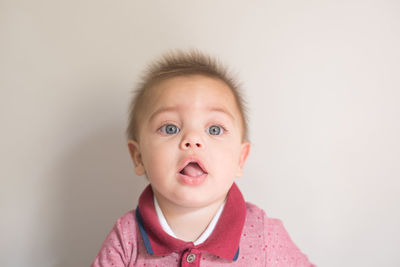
(159, 159)
(228, 155)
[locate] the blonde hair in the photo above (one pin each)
(180, 63)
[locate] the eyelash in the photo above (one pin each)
(166, 123)
(224, 129)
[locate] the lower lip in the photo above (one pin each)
(188, 180)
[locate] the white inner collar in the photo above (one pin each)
(203, 236)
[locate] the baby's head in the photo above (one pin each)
(187, 129)
(181, 64)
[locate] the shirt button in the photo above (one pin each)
(190, 258)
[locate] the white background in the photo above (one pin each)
(321, 78)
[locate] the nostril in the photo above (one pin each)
(189, 144)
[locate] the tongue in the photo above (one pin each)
(192, 170)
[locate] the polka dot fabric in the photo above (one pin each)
(264, 242)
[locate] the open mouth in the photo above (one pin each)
(193, 169)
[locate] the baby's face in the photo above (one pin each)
(190, 141)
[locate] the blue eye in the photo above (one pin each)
(169, 129)
(215, 130)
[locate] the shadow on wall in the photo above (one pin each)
(97, 185)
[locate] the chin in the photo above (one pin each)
(201, 202)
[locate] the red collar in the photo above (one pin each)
(223, 242)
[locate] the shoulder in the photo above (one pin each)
(277, 244)
(126, 224)
(258, 221)
(128, 220)
(268, 223)
(126, 228)
(120, 246)
(254, 213)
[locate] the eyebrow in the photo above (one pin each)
(162, 110)
(175, 109)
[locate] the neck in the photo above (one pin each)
(188, 223)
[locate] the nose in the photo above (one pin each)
(191, 141)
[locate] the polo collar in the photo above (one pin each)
(223, 242)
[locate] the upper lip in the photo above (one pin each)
(188, 160)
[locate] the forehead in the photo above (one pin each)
(192, 91)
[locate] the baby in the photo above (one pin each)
(188, 134)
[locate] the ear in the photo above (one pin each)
(244, 153)
(136, 156)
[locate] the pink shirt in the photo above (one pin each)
(243, 236)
